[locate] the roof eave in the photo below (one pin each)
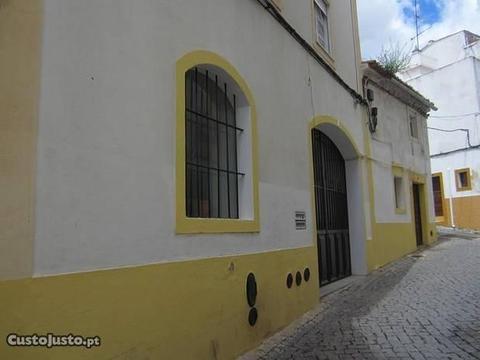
(373, 69)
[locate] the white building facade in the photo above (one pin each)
(447, 71)
(179, 177)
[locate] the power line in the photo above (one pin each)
(470, 146)
(455, 151)
(453, 130)
(453, 116)
(275, 13)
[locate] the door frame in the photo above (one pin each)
(333, 240)
(417, 216)
(439, 219)
(420, 181)
(357, 192)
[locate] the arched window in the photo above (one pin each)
(216, 153)
(211, 131)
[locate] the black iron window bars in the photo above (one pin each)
(212, 174)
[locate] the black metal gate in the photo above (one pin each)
(418, 214)
(333, 240)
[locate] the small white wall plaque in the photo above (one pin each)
(300, 220)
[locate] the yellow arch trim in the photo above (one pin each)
(185, 225)
(326, 119)
(314, 123)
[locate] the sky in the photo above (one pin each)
(384, 23)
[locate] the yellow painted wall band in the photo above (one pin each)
(183, 310)
(20, 49)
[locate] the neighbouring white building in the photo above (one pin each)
(179, 178)
(448, 72)
(399, 160)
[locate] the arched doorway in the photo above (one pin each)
(331, 205)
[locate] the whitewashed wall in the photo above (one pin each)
(106, 149)
(453, 84)
(459, 160)
(393, 145)
(454, 90)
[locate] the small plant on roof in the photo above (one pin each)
(395, 57)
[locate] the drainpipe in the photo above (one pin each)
(452, 216)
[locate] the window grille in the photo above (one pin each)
(212, 174)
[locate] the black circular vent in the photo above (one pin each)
(298, 278)
(306, 274)
(289, 281)
(252, 316)
(251, 290)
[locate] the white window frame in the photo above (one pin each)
(321, 8)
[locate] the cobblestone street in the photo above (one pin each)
(424, 307)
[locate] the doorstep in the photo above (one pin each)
(340, 285)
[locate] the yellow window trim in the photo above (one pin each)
(184, 224)
(417, 178)
(440, 175)
(442, 193)
(469, 180)
(397, 170)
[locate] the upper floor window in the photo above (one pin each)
(413, 127)
(321, 24)
(462, 179)
(212, 174)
